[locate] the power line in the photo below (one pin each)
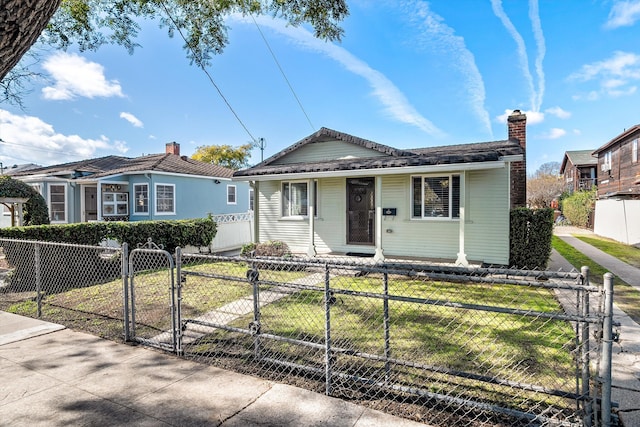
(201, 65)
(273, 55)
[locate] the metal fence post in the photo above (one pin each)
(38, 266)
(254, 276)
(125, 290)
(607, 344)
(178, 313)
(327, 331)
(387, 338)
(586, 385)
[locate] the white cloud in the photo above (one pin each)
(436, 31)
(558, 112)
(615, 75)
(131, 119)
(75, 77)
(395, 102)
(28, 139)
(623, 14)
(555, 133)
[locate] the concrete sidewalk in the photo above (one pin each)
(52, 376)
(626, 352)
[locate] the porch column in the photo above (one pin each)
(256, 211)
(462, 256)
(312, 210)
(379, 256)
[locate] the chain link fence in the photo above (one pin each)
(434, 343)
(78, 286)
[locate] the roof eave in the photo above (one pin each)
(450, 167)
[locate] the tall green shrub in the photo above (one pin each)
(35, 210)
(530, 237)
(579, 207)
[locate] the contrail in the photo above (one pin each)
(534, 15)
(522, 51)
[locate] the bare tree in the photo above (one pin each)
(544, 186)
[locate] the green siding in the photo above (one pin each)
(486, 228)
(328, 150)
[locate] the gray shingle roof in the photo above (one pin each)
(113, 165)
(431, 156)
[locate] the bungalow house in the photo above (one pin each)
(336, 193)
(579, 170)
(618, 205)
(157, 186)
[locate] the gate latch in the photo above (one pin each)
(254, 327)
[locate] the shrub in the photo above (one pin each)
(62, 262)
(579, 207)
(531, 231)
(272, 248)
(34, 211)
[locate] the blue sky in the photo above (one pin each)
(407, 73)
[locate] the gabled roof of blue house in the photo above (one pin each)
(116, 165)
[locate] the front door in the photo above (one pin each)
(90, 203)
(361, 211)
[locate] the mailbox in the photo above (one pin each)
(389, 211)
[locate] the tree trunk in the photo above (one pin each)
(21, 23)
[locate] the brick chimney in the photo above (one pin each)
(173, 148)
(517, 131)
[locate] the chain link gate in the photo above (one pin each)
(151, 312)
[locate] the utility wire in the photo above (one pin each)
(273, 55)
(201, 65)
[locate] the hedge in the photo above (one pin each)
(579, 207)
(170, 233)
(35, 210)
(530, 238)
(67, 267)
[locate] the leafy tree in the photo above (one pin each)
(544, 186)
(92, 23)
(224, 155)
(35, 211)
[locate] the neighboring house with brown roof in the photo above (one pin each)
(579, 169)
(618, 205)
(156, 186)
(335, 193)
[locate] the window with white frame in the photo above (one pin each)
(295, 199)
(435, 197)
(231, 195)
(634, 151)
(251, 201)
(606, 166)
(141, 198)
(165, 199)
(58, 203)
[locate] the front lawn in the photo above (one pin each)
(625, 296)
(625, 253)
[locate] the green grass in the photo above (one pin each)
(625, 296)
(519, 348)
(625, 253)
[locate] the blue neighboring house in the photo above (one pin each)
(153, 187)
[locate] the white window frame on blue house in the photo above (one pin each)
(141, 199)
(156, 197)
(232, 195)
(51, 202)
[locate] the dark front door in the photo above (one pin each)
(361, 211)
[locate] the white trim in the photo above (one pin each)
(422, 217)
(401, 170)
(155, 198)
(66, 213)
(235, 195)
(145, 172)
(134, 201)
